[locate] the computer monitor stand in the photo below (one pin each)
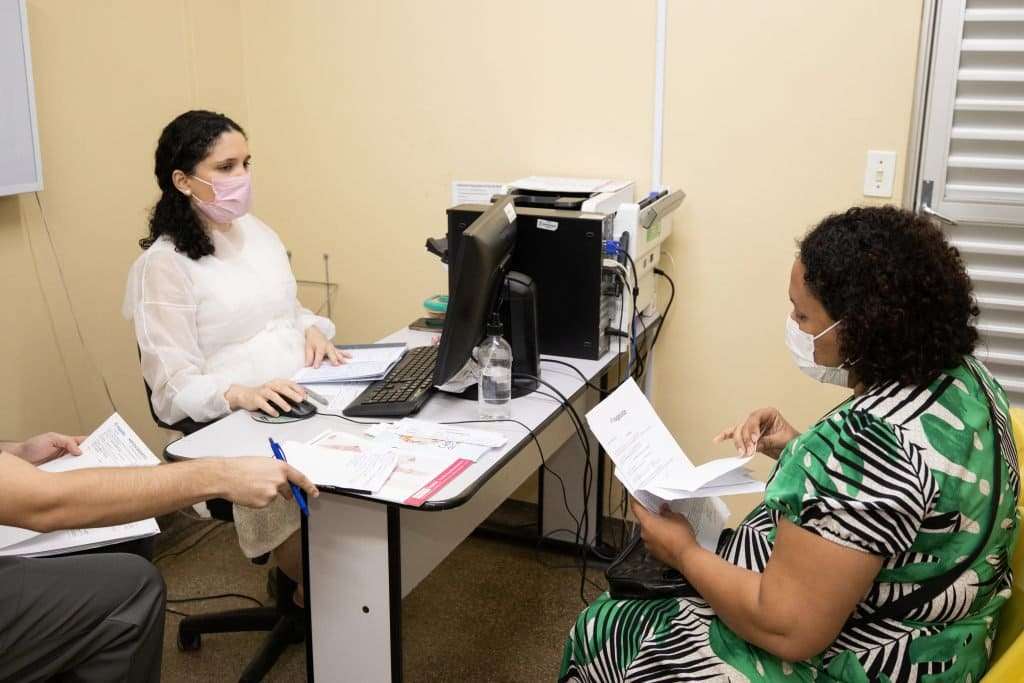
(518, 311)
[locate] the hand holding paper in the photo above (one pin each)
(650, 463)
(667, 534)
(113, 444)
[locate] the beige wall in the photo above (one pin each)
(769, 115)
(361, 114)
(108, 76)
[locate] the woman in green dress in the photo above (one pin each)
(880, 552)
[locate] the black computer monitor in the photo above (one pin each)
(479, 274)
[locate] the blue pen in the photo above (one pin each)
(296, 491)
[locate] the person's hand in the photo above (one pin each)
(764, 431)
(268, 397)
(255, 481)
(46, 447)
(667, 536)
(320, 348)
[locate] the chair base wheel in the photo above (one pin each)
(189, 641)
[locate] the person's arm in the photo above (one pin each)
(162, 305)
(45, 501)
(795, 609)
(830, 541)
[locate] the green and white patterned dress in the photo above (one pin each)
(901, 472)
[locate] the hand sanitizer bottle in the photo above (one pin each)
(494, 354)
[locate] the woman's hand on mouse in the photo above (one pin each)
(271, 398)
(319, 348)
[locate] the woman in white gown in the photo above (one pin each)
(213, 300)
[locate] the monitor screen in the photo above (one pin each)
(479, 272)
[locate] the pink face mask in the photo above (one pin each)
(232, 197)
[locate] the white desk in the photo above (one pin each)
(363, 555)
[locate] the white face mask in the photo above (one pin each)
(801, 347)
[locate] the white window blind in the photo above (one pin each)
(972, 165)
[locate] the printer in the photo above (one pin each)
(568, 230)
(639, 227)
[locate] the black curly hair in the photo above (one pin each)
(900, 289)
(184, 142)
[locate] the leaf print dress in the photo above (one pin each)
(906, 473)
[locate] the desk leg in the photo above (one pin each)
(354, 590)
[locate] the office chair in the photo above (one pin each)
(285, 623)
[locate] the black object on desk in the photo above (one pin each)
(427, 324)
(481, 286)
(563, 253)
(403, 391)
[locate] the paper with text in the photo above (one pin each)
(113, 444)
(454, 433)
(367, 363)
(342, 460)
(385, 435)
(414, 471)
(647, 458)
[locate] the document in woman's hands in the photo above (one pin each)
(650, 463)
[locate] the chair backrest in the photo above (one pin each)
(1011, 618)
(186, 426)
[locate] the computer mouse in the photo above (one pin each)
(299, 409)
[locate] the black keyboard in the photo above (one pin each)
(403, 391)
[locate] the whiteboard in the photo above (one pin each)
(21, 168)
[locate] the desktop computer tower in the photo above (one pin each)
(562, 252)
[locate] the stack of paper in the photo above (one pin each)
(343, 461)
(655, 470)
(409, 461)
(367, 363)
(433, 439)
(114, 444)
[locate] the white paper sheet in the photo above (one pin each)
(454, 433)
(474, 191)
(635, 438)
(342, 460)
(367, 363)
(463, 379)
(574, 185)
(76, 540)
(412, 472)
(113, 444)
(650, 463)
(383, 435)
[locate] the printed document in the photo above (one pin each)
(113, 444)
(368, 363)
(655, 470)
(386, 435)
(454, 433)
(412, 471)
(342, 460)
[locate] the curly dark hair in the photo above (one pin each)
(900, 289)
(184, 142)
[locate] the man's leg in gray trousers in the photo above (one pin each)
(81, 618)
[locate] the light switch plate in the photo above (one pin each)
(879, 173)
